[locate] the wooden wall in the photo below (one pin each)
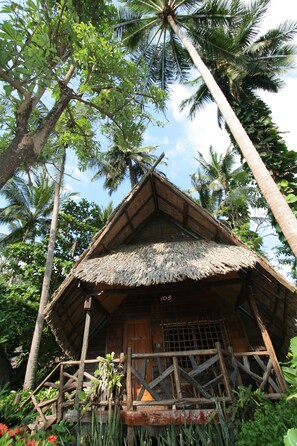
(202, 304)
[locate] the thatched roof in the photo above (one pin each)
(160, 238)
(160, 263)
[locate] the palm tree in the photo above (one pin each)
(225, 190)
(242, 62)
(123, 161)
(154, 26)
(29, 206)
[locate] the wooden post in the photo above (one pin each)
(80, 377)
(130, 429)
(129, 380)
(61, 394)
(237, 377)
(268, 344)
(224, 370)
(176, 378)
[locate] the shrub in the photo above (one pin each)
(269, 424)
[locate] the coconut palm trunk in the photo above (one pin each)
(36, 340)
(279, 207)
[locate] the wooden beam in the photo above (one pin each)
(224, 370)
(172, 287)
(176, 377)
(267, 342)
(166, 417)
(84, 349)
(129, 379)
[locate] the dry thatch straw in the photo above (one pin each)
(159, 263)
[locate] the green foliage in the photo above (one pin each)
(28, 207)
(78, 223)
(104, 434)
(21, 276)
(123, 160)
(226, 191)
(290, 368)
(13, 411)
(269, 424)
(44, 45)
(108, 381)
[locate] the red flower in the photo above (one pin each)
(31, 443)
(16, 431)
(52, 438)
(3, 429)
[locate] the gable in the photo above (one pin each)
(161, 228)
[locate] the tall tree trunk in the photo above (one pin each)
(279, 207)
(133, 179)
(36, 340)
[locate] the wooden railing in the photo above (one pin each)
(178, 379)
(161, 381)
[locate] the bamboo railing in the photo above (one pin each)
(161, 381)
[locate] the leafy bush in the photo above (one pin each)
(12, 413)
(269, 424)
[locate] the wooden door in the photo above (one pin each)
(137, 335)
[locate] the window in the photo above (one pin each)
(197, 335)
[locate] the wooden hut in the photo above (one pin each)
(190, 310)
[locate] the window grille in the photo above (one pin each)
(193, 335)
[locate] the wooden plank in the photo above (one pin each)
(41, 384)
(182, 401)
(166, 417)
(266, 375)
(256, 352)
(237, 381)
(129, 379)
(194, 383)
(60, 395)
(204, 366)
(53, 385)
(43, 404)
(162, 377)
(143, 383)
(142, 373)
(268, 344)
(210, 352)
(213, 382)
(176, 378)
(84, 349)
(258, 378)
(36, 405)
(224, 370)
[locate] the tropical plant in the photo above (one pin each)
(153, 27)
(21, 275)
(290, 368)
(225, 190)
(123, 160)
(29, 206)
(269, 424)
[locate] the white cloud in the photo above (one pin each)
(284, 110)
